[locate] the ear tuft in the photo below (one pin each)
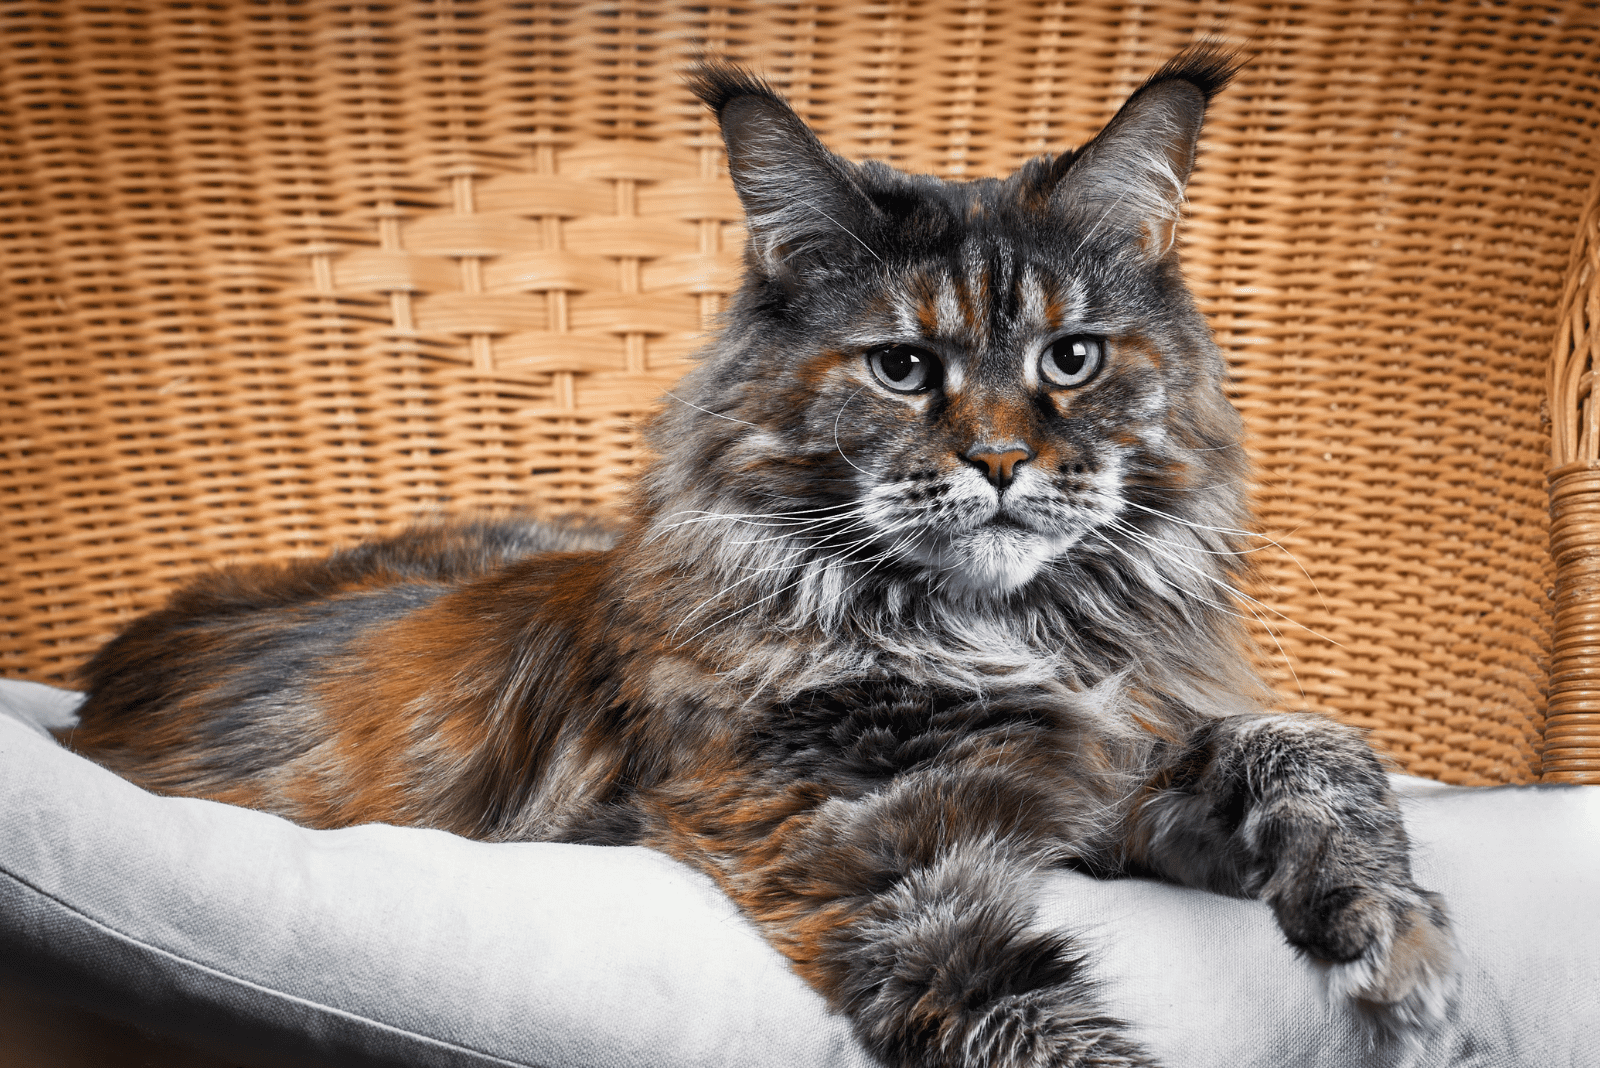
(716, 82)
(1128, 183)
(802, 203)
(1208, 67)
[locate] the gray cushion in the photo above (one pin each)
(386, 945)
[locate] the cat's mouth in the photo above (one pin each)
(980, 544)
(994, 556)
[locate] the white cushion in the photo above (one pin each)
(380, 944)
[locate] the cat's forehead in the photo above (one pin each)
(985, 291)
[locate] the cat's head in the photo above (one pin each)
(963, 384)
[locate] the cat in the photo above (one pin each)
(927, 591)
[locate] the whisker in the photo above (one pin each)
(1288, 661)
(1129, 528)
(740, 611)
(755, 572)
(884, 557)
(736, 612)
(708, 411)
(859, 524)
(1225, 609)
(767, 519)
(1208, 448)
(1237, 532)
(702, 514)
(715, 596)
(1241, 534)
(791, 527)
(836, 419)
(843, 227)
(1229, 587)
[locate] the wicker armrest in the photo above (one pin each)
(1572, 726)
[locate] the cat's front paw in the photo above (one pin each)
(1047, 1028)
(1036, 1030)
(1392, 949)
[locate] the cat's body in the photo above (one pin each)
(926, 592)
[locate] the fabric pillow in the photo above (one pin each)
(378, 945)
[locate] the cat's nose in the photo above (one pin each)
(998, 463)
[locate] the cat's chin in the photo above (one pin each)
(990, 561)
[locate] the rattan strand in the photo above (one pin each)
(281, 274)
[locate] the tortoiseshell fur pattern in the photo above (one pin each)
(875, 650)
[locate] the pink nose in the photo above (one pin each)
(998, 465)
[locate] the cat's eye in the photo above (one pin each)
(905, 368)
(1072, 361)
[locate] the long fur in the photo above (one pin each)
(898, 621)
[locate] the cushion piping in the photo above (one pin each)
(216, 973)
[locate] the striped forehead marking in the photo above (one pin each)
(950, 312)
(969, 307)
(1033, 304)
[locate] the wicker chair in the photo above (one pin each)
(279, 274)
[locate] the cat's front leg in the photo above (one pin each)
(1296, 810)
(911, 909)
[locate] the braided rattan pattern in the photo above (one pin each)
(1572, 730)
(280, 273)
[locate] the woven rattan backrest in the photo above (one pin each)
(280, 274)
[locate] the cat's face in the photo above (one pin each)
(974, 382)
(1002, 408)
(985, 410)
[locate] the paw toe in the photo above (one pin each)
(1408, 971)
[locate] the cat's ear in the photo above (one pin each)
(800, 200)
(1129, 181)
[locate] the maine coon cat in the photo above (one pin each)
(928, 590)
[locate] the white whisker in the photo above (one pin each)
(708, 411)
(836, 419)
(1235, 532)
(843, 227)
(1208, 448)
(1218, 605)
(761, 519)
(1227, 586)
(1288, 661)
(1129, 528)
(791, 563)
